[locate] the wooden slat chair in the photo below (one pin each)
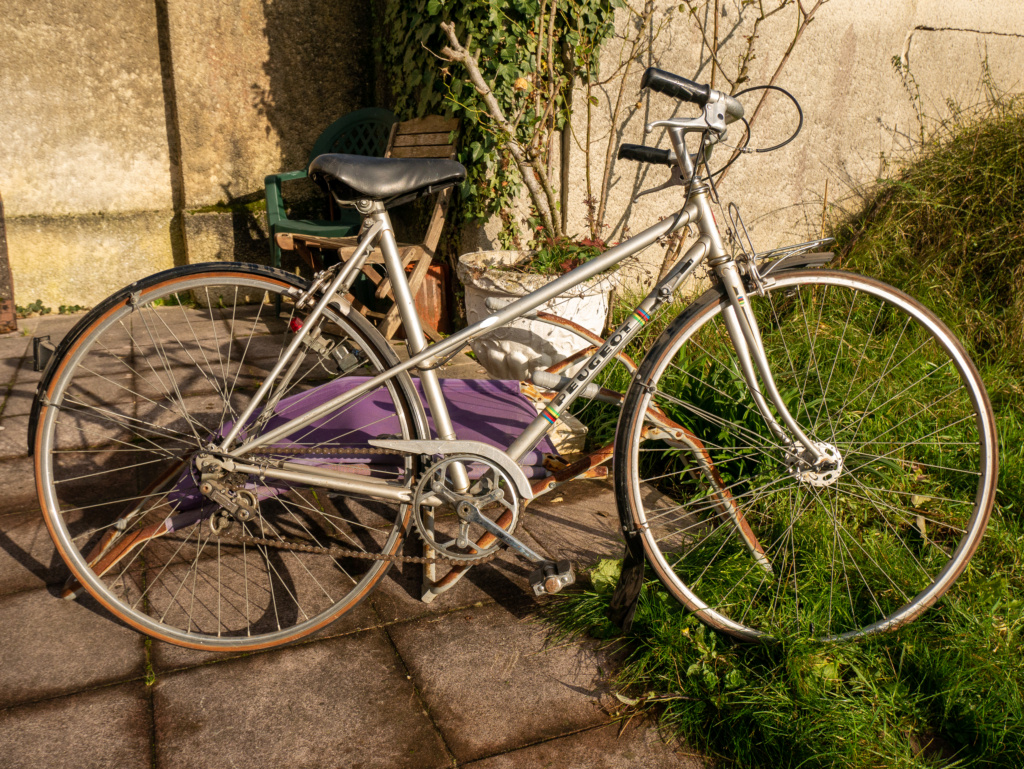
(428, 137)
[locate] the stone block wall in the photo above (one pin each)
(136, 135)
(84, 161)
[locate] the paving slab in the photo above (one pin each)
(203, 379)
(84, 391)
(235, 592)
(51, 647)
(176, 417)
(578, 521)
(13, 437)
(108, 358)
(344, 702)
(182, 323)
(504, 580)
(12, 353)
(27, 376)
(638, 746)
(166, 657)
(54, 325)
(20, 397)
(258, 347)
(491, 684)
(19, 486)
(101, 728)
(14, 346)
(28, 559)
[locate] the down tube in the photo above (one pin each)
(571, 390)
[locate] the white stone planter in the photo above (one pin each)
(515, 350)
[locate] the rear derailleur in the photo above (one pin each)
(234, 502)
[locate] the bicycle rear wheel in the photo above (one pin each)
(163, 369)
(874, 378)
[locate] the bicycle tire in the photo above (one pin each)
(159, 370)
(863, 368)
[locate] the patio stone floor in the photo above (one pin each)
(470, 680)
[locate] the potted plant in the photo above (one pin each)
(500, 277)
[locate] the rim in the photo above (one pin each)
(55, 512)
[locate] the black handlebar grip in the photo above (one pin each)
(642, 154)
(675, 85)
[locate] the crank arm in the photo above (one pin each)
(520, 548)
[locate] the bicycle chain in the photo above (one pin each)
(344, 552)
(335, 550)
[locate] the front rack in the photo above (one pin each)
(776, 254)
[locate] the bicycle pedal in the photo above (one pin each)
(552, 577)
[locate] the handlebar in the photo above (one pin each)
(644, 154)
(718, 108)
(686, 90)
(675, 85)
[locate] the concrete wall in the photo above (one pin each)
(123, 122)
(84, 162)
(120, 119)
(857, 110)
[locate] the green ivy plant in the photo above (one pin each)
(529, 52)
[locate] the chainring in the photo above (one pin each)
(440, 513)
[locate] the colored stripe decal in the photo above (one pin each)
(550, 414)
(641, 316)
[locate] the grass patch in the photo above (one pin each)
(947, 689)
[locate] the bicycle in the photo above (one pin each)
(803, 450)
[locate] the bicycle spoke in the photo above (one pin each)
(150, 385)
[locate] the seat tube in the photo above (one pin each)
(414, 338)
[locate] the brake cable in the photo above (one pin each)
(799, 112)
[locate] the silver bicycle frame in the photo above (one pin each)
(740, 322)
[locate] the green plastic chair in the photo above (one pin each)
(363, 132)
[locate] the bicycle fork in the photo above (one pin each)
(746, 339)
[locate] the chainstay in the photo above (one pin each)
(344, 552)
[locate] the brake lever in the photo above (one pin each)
(674, 180)
(711, 119)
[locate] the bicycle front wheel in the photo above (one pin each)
(755, 543)
(162, 371)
